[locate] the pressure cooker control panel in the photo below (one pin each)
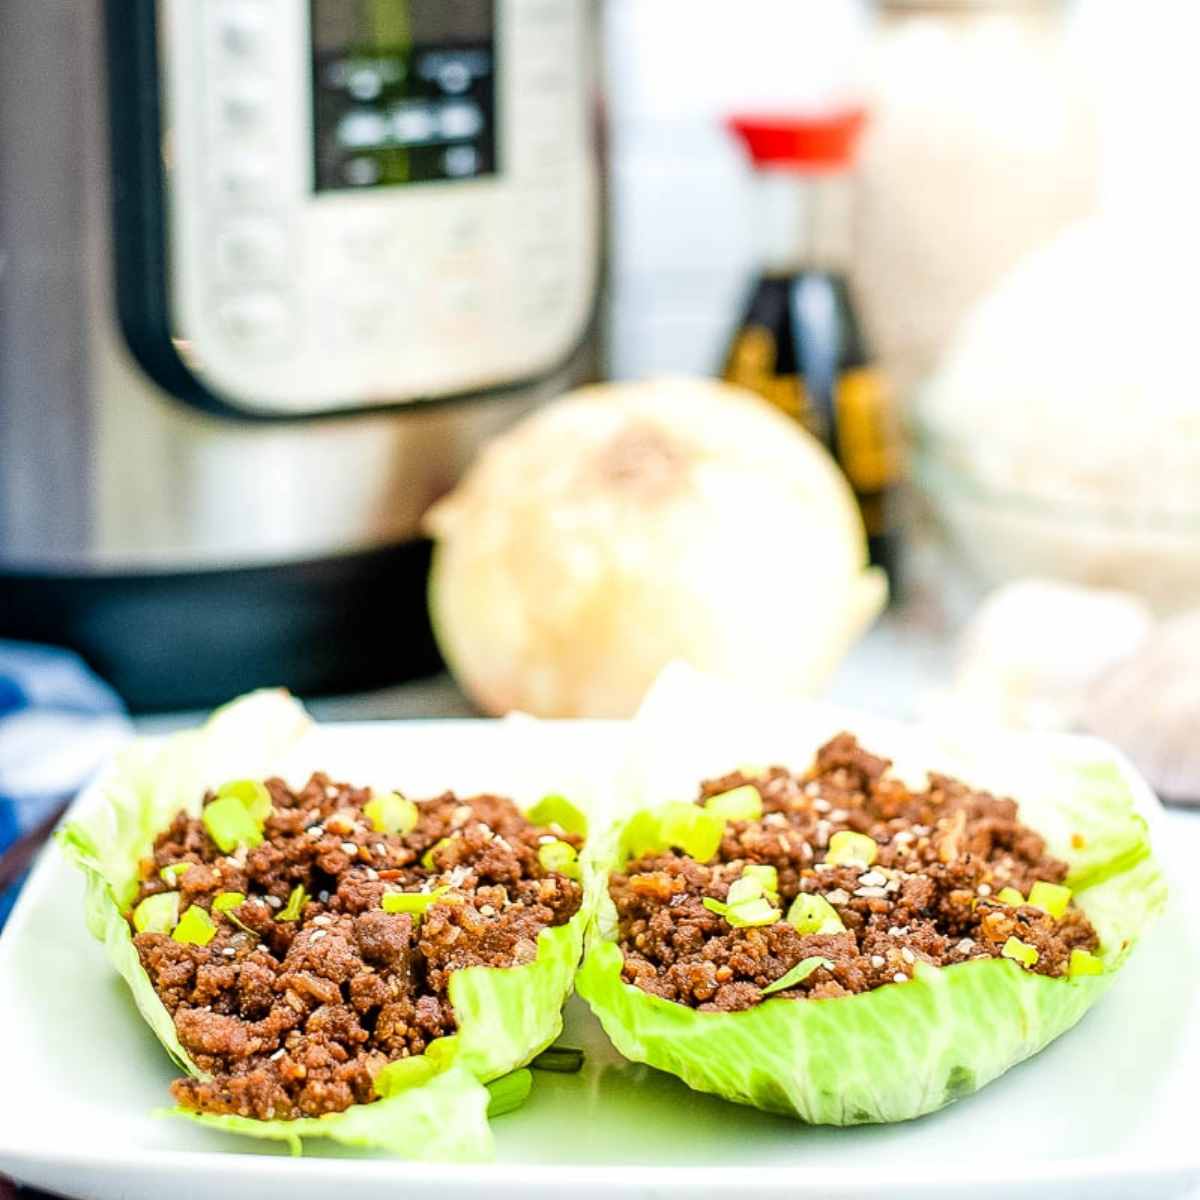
(374, 201)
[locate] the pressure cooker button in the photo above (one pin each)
(239, 28)
(362, 320)
(245, 179)
(242, 111)
(251, 250)
(254, 321)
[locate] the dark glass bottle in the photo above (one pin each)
(800, 344)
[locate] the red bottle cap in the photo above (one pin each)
(815, 142)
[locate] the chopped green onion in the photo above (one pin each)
(846, 846)
(416, 903)
(252, 794)
(195, 927)
(565, 1060)
(800, 972)
(695, 831)
(229, 824)
(768, 878)
(738, 804)
(558, 810)
(509, 1092)
(427, 858)
(754, 883)
(746, 913)
(744, 889)
(1020, 951)
(297, 899)
(1010, 896)
(642, 833)
(225, 903)
(157, 914)
(390, 812)
(1084, 963)
(170, 875)
(1051, 898)
(561, 857)
(814, 914)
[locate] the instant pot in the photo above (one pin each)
(270, 271)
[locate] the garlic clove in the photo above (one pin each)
(1149, 706)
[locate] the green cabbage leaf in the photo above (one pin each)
(506, 1016)
(901, 1050)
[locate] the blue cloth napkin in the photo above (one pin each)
(58, 723)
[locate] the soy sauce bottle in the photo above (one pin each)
(800, 344)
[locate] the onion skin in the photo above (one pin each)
(629, 525)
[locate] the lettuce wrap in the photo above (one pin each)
(901, 1050)
(432, 1107)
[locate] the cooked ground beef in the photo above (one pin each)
(943, 854)
(293, 1018)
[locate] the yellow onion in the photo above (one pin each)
(625, 526)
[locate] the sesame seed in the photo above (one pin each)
(838, 896)
(320, 933)
(900, 977)
(806, 852)
(903, 837)
(871, 893)
(274, 902)
(872, 879)
(907, 955)
(229, 952)
(278, 1054)
(877, 960)
(502, 843)
(372, 874)
(316, 831)
(487, 910)
(813, 789)
(897, 931)
(546, 839)
(323, 919)
(984, 889)
(381, 849)
(838, 814)
(965, 946)
(350, 847)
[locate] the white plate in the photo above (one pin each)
(1106, 1111)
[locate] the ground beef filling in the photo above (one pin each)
(293, 1018)
(943, 854)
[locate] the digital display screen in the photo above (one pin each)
(404, 91)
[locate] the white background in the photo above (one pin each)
(681, 241)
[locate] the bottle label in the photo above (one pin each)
(866, 435)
